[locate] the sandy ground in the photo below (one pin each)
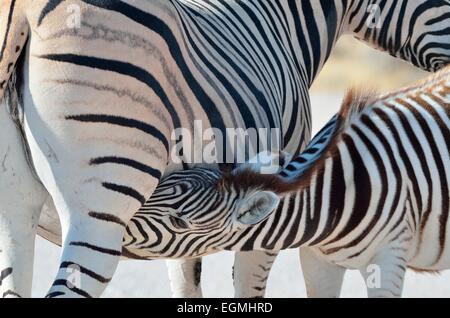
(149, 279)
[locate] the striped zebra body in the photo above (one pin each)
(382, 178)
(379, 194)
(171, 63)
(373, 197)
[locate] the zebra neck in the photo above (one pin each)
(410, 30)
(318, 176)
(371, 23)
(317, 207)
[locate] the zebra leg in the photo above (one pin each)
(185, 278)
(21, 199)
(100, 155)
(250, 273)
(91, 252)
(384, 277)
(92, 240)
(322, 279)
(94, 205)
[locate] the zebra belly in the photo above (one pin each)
(428, 254)
(430, 249)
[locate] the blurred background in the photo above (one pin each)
(352, 64)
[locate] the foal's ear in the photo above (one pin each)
(256, 208)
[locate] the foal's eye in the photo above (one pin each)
(178, 223)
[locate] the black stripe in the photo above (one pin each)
(363, 189)
(439, 19)
(65, 283)
(383, 40)
(212, 241)
(157, 25)
(153, 225)
(356, 11)
(96, 248)
(440, 165)
(8, 28)
(128, 255)
(125, 191)
(275, 221)
(143, 235)
(9, 292)
(202, 205)
(295, 11)
(332, 24)
(383, 193)
(336, 199)
(245, 112)
(271, 42)
(263, 74)
(55, 294)
(122, 68)
(133, 239)
(188, 242)
(393, 158)
(313, 214)
(405, 158)
(418, 149)
(237, 238)
(124, 122)
(5, 273)
(400, 24)
(294, 209)
(128, 162)
(230, 60)
(313, 31)
(85, 271)
(49, 7)
(107, 218)
(282, 230)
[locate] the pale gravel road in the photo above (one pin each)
(149, 279)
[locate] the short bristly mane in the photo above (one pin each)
(355, 102)
(243, 180)
(427, 84)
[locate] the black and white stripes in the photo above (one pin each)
(374, 194)
(102, 99)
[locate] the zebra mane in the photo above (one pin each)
(355, 101)
(441, 76)
(247, 179)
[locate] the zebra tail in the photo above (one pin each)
(14, 31)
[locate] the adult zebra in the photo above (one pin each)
(228, 63)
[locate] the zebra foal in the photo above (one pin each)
(378, 194)
(371, 191)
